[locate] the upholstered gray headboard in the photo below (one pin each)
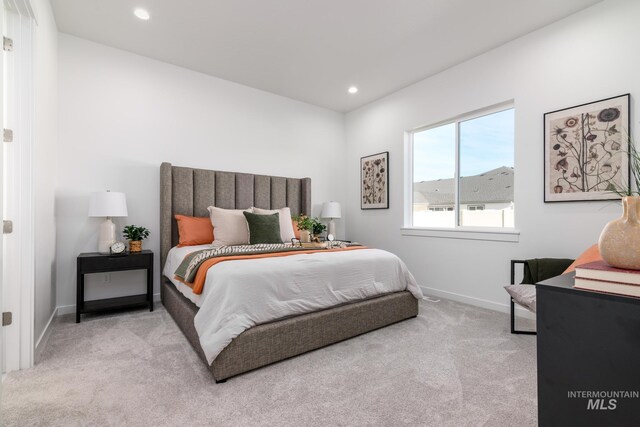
(188, 191)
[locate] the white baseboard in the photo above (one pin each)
(44, 336)
(478, 302)
(66, 309)
(71, 309)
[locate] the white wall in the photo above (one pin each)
(585, 57)
(45, 162)
(121, 115)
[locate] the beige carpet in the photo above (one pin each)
(454, 365)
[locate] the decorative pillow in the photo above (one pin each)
(194, 230)
(287, 231)
(590, 255)
(230, 226)
(524, 295)
(263, 228)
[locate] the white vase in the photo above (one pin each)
(305, 236)
(619, 241)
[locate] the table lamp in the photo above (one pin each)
(331, 210)
(107, 204)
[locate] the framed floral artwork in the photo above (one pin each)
(586, 154)
(374, 181)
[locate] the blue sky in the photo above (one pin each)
(485, 143)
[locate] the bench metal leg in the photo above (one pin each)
(513, 321)
(513, 308)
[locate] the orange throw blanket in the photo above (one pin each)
(198, 284)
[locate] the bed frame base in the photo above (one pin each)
(282, 339)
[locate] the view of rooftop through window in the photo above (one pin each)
(485, 163)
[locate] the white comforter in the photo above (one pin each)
(240, 294)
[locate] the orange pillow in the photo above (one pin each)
(194, 230)
(590, 255)
(296, 232)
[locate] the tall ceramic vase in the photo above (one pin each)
(619, 242)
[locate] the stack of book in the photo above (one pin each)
(600, 276)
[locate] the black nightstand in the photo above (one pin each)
(94, 262)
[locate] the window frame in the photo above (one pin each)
(507, 234)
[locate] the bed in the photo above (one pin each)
(189, 191)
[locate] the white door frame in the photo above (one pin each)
(20, 245)
(2, 347)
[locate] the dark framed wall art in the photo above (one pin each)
(374, 181)
(586, 153)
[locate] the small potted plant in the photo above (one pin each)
(305, 224)
(135, 235)
(309, 227)
(317, 229)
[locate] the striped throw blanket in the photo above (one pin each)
(188, 269)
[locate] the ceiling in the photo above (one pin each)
(312, 50)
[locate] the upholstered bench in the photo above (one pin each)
(537, 270)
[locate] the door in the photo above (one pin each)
(16, 247)
(16, 197)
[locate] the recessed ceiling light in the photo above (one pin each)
(142, 14)
(353, 89)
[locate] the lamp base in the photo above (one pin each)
(107, 236)
(332, 227)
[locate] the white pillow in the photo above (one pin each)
(229, 225)
(525, 295)
(286, 226)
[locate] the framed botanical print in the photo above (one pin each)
(374, 181)
(586, 153)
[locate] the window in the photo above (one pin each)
(462, 172)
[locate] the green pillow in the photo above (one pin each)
(263, 228)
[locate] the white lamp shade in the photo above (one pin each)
(108, 204)
(331, 210)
